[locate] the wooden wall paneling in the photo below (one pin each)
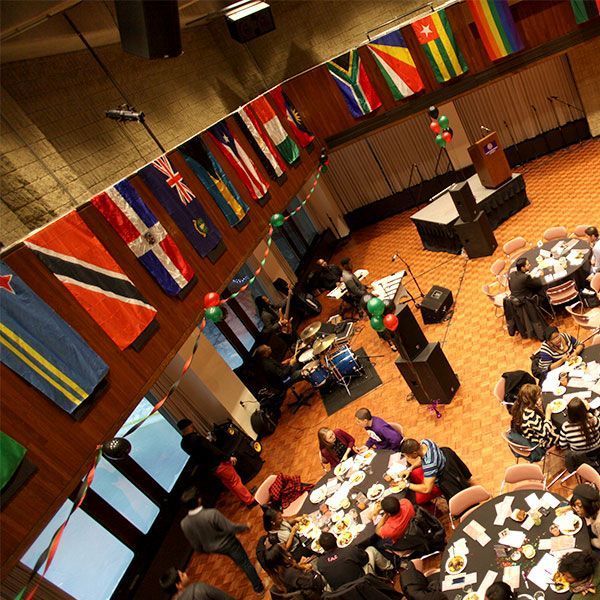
(542, 20)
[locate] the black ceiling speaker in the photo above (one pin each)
(149, 28)
(249, 20)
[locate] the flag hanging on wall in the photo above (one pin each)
(239, 160)
(584, 10)
(169, 188)
(213, 178)
(437, 40)
(496, 27)
(354, 83)
(144, 235)
(81, 263)
(11, 457)
(304, 136)
(396, 64)
(43, 349)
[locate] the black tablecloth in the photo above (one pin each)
(588, 354)
(481, 559)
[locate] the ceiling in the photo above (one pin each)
(34, 28)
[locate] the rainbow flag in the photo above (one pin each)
(496, 27)
(437, 40)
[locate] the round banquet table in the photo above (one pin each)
(576, 272)
(588, 354)
(483, 558)
(374, 474)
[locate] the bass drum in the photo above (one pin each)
(315, 373)
(344, 361)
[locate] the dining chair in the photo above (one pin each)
(588, 319)
(524, 477)
(517, 244)
(595, 284)
(518, 450)
(466, 501)
(588, 474)
(497, 270)
(562, 293)
(579, 232)
(262, 493)
(397, 427)
(555, 233)
(499, 390)
(294, 508)
(496, 297)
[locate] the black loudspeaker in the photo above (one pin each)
(436, 304)
(149, 28)
(463, 199)
(477, 236)
(244, 28)
(430, 376)
(408, 337)
(233, 441)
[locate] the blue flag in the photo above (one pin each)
(44, 350)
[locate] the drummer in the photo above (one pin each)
(280, 375)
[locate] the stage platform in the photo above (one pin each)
(435, 222)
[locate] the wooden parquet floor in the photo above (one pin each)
(564, 189)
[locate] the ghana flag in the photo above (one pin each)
(496, 27)
(437, 40)
(584, 10)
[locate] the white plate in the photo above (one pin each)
(316, 547)
(345, 539)
(375, 491)
(558, 405)
(559, 391)
(569, 523)
(558, 591)
(342, 468)
(459, 570)
(577, 360)
(318, 495)
(357, 478)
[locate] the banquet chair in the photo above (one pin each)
(517, 244)
(497, 298)
(595, 340)
(589, 319)
(497, 270)
(262, 493)
(397, 427)
(524, 477)
(419, 566)
(555, 233)
(466, 501)
(519, 451)
(562, 293)
(588, 474)
(294, 508)
(499, 390)
(595, 284)
(579, 232)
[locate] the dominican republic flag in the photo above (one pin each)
(239, 160)
(354, 83)
(43, 349)
(143, 233)
(169, 188)
(81, 263)
(304, 136)
(396, 64)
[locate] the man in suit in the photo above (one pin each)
(208, 531)
(521, 283)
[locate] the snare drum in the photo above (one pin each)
(315, 373)
(307, 356)
(344, 361)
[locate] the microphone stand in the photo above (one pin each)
(571, 106)
(540, 128)
(421, 294)
(512, 139)
(562, 135)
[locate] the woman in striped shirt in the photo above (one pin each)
(529, 420)
(581, 431)
(557, 349)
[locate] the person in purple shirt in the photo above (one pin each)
(382, 435)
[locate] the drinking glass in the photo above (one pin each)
(539, 596)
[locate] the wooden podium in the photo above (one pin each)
(490, 161)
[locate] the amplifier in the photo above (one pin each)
(232, 440)
(436, 304)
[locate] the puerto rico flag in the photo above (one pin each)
(239, 160)
(137, 226)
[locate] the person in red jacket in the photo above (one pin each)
(336, 445)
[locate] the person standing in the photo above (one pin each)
(382, 436)
(178, 585)
(209, 457)
(208, 531)
(356, 289)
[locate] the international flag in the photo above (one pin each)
(584, 10)
(239, 160)
(205, 166)
(145, 236)
(11, 457)
(437, 40)
(304, 136)
(43, 349)
(169, 188)
(496, 27)
(354, 83)
(81, 263)
(396, 64)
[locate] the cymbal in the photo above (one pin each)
(310, 330)
(323, 343)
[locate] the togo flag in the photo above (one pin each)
(39, 346)
(137, 226)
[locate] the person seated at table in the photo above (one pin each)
(594, 239)
(285, 489)
(529, 420)
(286, 532)
(178, 582)
(521, 283)
(328, 276)
(281, 375)
(556, 349)
(417, 476)
(582, 571)
(580, 433)
(339, 566)
(382, 435)
(500, 591)
(441, 467)
(396, 518)
(291, 575)
(335, 445)
(416, 586)
(585, 501)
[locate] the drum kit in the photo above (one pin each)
(326, 361)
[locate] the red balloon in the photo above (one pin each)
(447, 136)
(390, 322)
(212, 299)
(435, 127)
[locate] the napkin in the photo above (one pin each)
(477, 532)
(512, 576)
(549, 501)
(489, 578)
(514, 539)
(532, 501)
(543, 572)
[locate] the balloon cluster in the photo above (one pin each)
(382, 312)
(212, 309)
(324, 160)
(439, 126)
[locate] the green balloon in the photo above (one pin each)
(214, 313)
(375, 306)
(277, 220)
(444, 122)
(439, 140)
(324, 168)
(377, 323)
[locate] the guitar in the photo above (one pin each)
(285, 323)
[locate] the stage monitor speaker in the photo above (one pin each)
(463, 199)
(430, 376)
(249, 26)
(477, 236)
(408, 337)
(436, 304)
(149, 28)
(232, 440)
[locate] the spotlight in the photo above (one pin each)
(125, 113)
(117, 448)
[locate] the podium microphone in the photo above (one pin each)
(484, 128)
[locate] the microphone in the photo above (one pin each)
(484, 128)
